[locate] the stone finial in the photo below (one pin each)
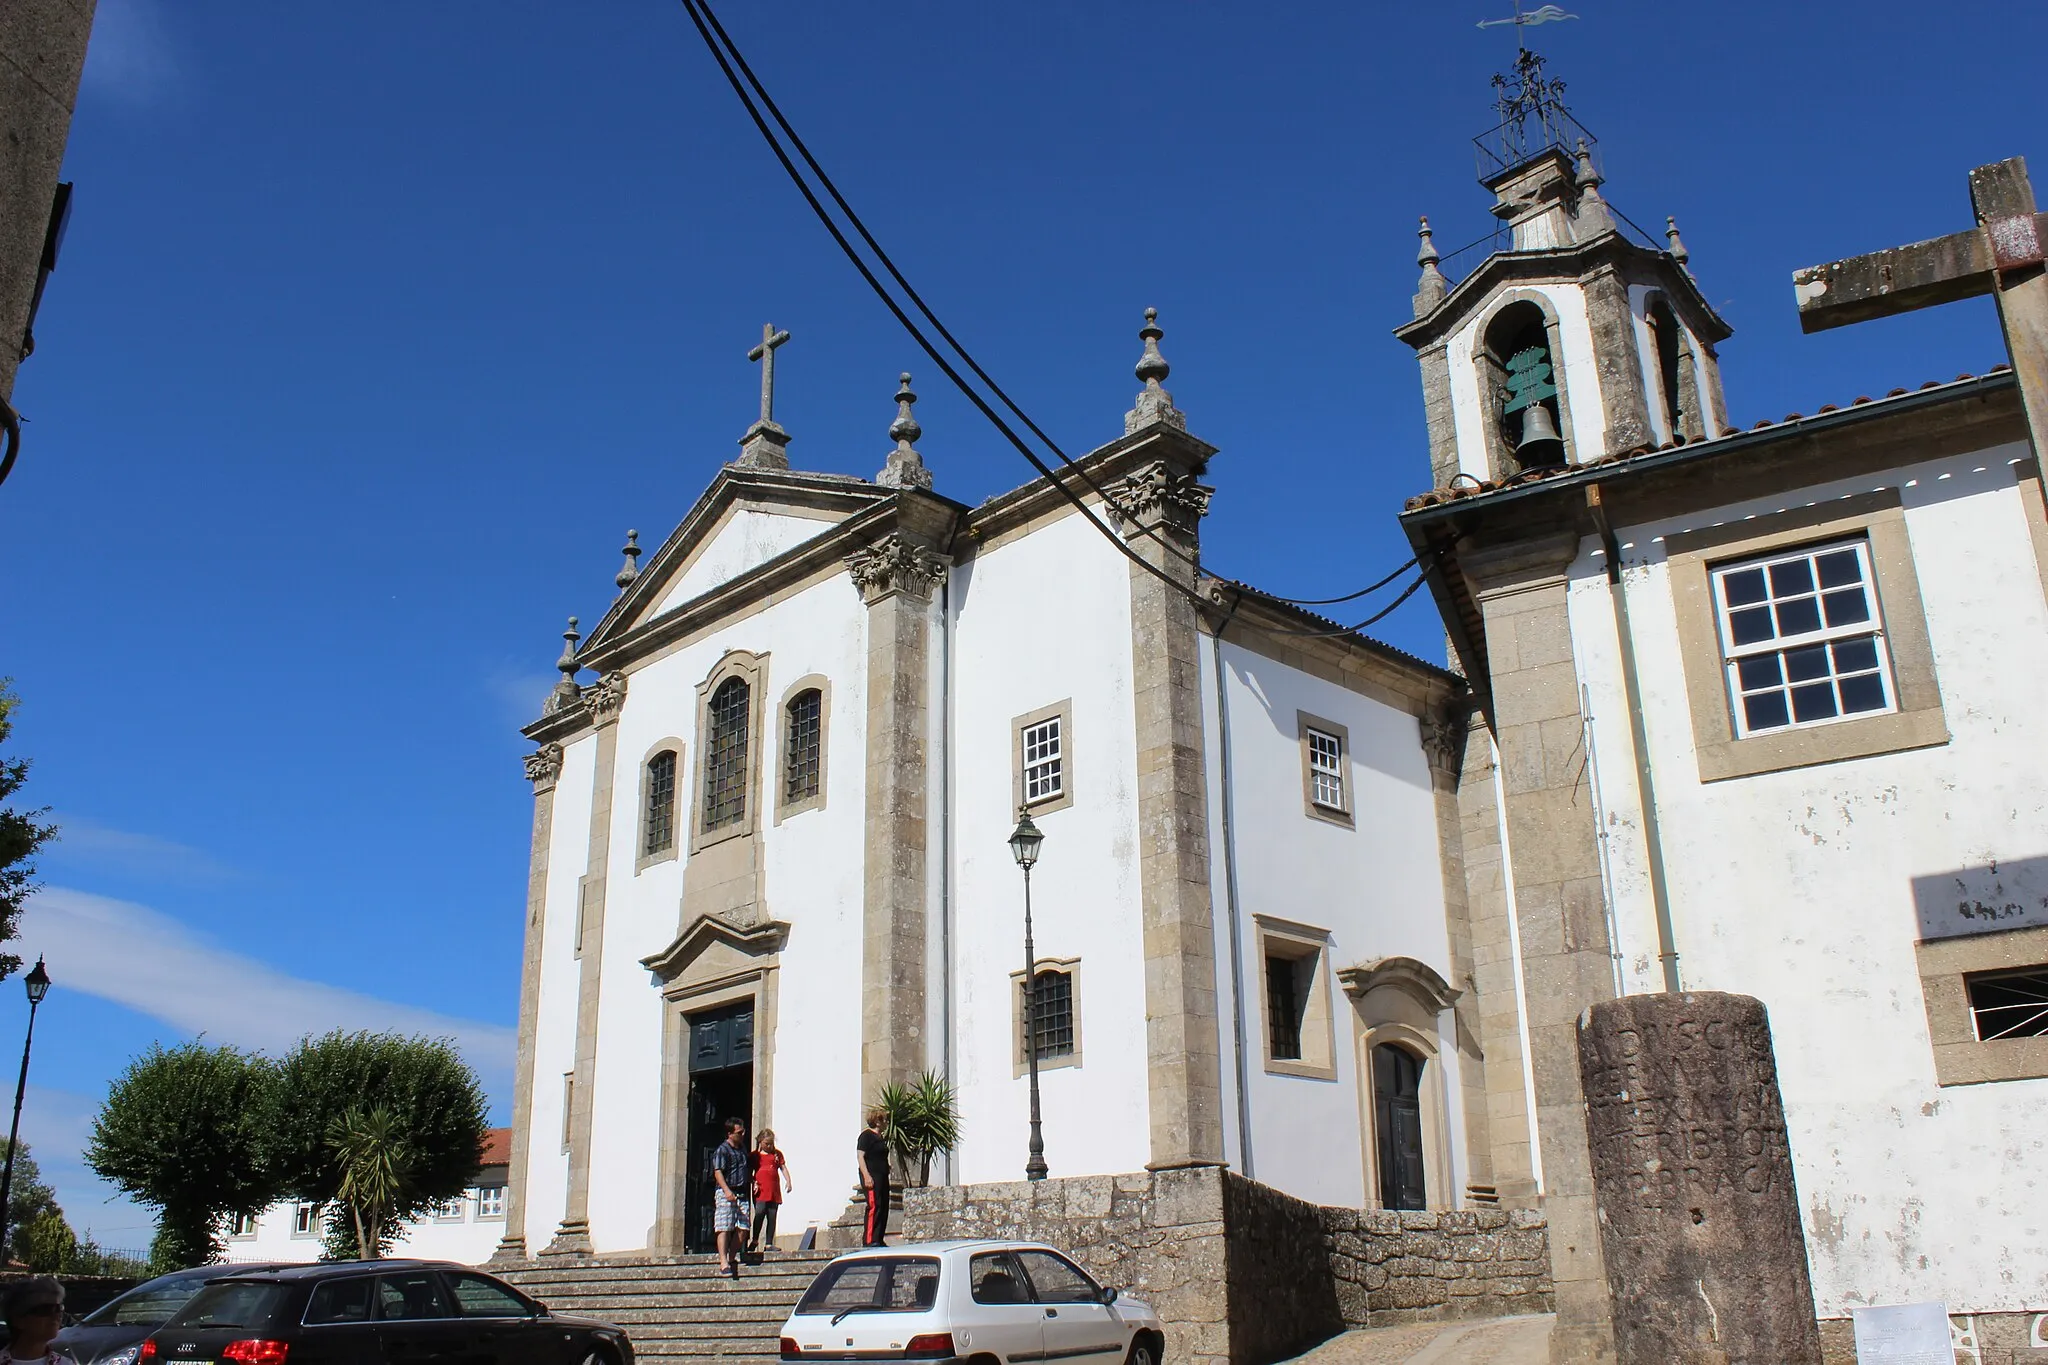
(905, 467)
(1434, 287)
(1673, 244)
(1594, 217)
(566, 692)
(1155, 404)
(631, 570)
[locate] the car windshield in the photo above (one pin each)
(147, 1305)
(873, 1284)
(233, 1303)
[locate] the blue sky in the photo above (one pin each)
(379, 324)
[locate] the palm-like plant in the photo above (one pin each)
(920, 1120)
(376, 1166)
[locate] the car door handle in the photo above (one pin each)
(1052, 1312)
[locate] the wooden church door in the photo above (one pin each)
(1397, 1115)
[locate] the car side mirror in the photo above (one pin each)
(540, 1310)
(1109, 1294)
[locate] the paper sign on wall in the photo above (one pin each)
(1903, 1334)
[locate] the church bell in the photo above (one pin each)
(1540, 443)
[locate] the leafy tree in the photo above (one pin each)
(47, 1245)
(30, 1197)
(182, 1131)
(920, 1120)
(376, 1175)
(435, 1112)
(21, 834)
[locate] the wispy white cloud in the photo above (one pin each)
(55, 1126)
(131, 57)
(519, 692)
(135, 956)
(87, 844)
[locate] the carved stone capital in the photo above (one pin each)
(543, 766)
(605, 697)
(894, 564)
(1157, 495)
(1443, 741)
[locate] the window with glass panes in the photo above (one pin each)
(1283, 1008)
(2009, 1004)
(1326, 769)
(725, 756)
(1052, 1015)
(1801, 638)
(800, 747)
(490, 1201)
(660, 821)
(1044, 770)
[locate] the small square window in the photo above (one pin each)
(1044, 766)
(2009, 1004)
(490, 1201)
(306, 1219)
(452, 1210)
(1042, 759)
(242, 1225)
(1800, 639)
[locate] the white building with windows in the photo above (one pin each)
(771, 872)
(466, 1229)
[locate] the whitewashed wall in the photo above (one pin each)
(1377, 888)
(1796, 887)
(467, 1238)
(1042, 619)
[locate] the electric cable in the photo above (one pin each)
(11, 421)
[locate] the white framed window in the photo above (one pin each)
(490, 1201)
(1042, 758)
(306, 1219)
(1325, 769)
(1802, 643)
(1044, 762)
(452, 1210)
(242, 1225)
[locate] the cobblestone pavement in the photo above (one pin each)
(1508, 1341)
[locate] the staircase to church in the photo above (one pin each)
(677, 1309)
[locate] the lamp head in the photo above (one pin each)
(1025, 840)
(38, 983)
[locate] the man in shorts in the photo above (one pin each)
(731, 1172)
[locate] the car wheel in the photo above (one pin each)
(1144, 1351)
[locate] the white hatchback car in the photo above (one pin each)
(975, 1303)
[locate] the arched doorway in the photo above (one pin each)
(1397, 1127)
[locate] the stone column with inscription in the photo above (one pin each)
(1158, 508)
(896, 577)
(604, 698)
(543, 769)
(1706, 1259)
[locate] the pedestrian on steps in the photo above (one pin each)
(730, 1172)
(872, 1151)
(771, 1179)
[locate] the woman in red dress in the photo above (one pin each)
(771, 1179)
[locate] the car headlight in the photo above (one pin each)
(125, 1356)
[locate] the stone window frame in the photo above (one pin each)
(784, 808)
(1918, 723)
(1959, 1057)
(1020, 1064)
(753, 670)
(679, 809)
(1044, 805)
(1275, 937)
(1315, 810)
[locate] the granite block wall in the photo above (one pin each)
(1437, 1267)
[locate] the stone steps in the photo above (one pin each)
(677, 1309)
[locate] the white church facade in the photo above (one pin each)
(770, 870)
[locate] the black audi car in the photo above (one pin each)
(112, 1333)
(374, 1312)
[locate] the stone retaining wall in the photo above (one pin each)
(1242, 1274)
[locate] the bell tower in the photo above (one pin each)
(1576, 336)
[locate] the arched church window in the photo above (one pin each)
(1664, 331)
(802, 747)
(725, 755)
(1397, 1121)
(1524, 379)
(659, 820)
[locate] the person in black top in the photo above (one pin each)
(732, 1172)
(872, 1150)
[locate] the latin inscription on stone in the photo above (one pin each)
(1903, 1334)
(1705, 1255)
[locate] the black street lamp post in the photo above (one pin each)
(38, 983)
(1024, 844)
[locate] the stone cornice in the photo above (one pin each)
(1610, 250)
(755, 940)
(1418, 979)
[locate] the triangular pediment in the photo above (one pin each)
(713, 947)
(746, 518)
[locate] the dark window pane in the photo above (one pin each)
(1743, 587)
(1798, 616)
(661, 804)
(411, 1297)
(1847, 607)
(1815, 701)
(1765, 711)
(1789, 580)
(2014, 1005)
(1856, 656)
(477, 1296)
(1751, 625)
(1283, 1009)
(725, 756)
(1864, 692)
(1052, 1014)
(1804, 665)
(1839, 568)
(341, 1301)
(232, 1303)
(800, 747)
(1759, 671)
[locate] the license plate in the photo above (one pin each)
(187, 1361)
